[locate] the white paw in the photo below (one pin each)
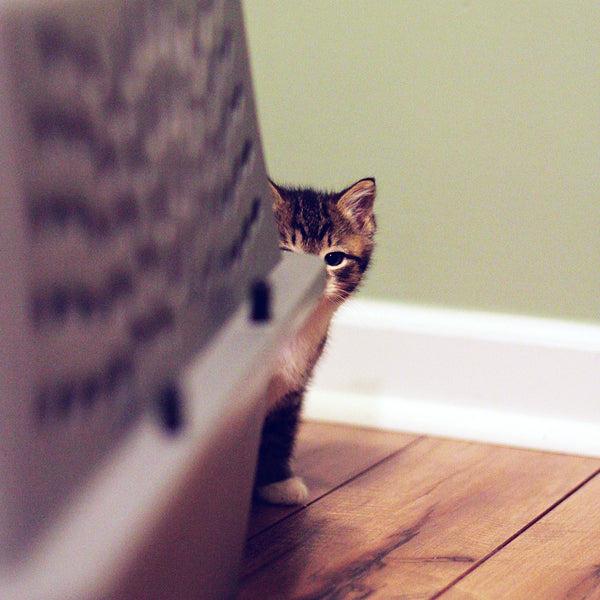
(289, 491)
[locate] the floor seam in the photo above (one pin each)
(516, 535)
(379, 462)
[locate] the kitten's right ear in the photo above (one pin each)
(276, 197)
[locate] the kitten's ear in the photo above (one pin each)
(356, 204)
(276, 197)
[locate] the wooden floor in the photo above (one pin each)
(409, 517)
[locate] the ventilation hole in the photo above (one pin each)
(144, 329)
(237, 97)
(255, 210)
(246, 152)
(60, 211)
(91, 388)
(147, 256)
(54, 211)
(106, 157)
(118, 371)
(260, 300)
(51, 40)
(84, 302)
(53, 123)
(58, 303)
(55, 43)
(120, 285)
(126, 210)
(225, 48)
(170, 409)
(94, 222)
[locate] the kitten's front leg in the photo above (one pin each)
(275, 482)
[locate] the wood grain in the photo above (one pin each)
(409, 526)
(557, 558)
(327, 456)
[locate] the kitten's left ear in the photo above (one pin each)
(356, 204)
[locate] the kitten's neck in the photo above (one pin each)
(299, 356)
(313, 333)
(323, 313)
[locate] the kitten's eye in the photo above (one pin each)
(285, 249)
(333, 259)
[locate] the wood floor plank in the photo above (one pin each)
(328, 455)
(557, 558)
(409, 526)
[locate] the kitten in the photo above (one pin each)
(338, 227)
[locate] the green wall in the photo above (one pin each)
(480, 121)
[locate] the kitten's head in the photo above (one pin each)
(338, 227)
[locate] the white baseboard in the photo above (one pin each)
(503, 379)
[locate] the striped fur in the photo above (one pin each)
(340, 228)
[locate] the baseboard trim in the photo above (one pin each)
(503, 379)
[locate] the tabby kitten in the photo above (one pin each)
(338, 227)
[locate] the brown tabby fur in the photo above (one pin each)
(340, 228)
